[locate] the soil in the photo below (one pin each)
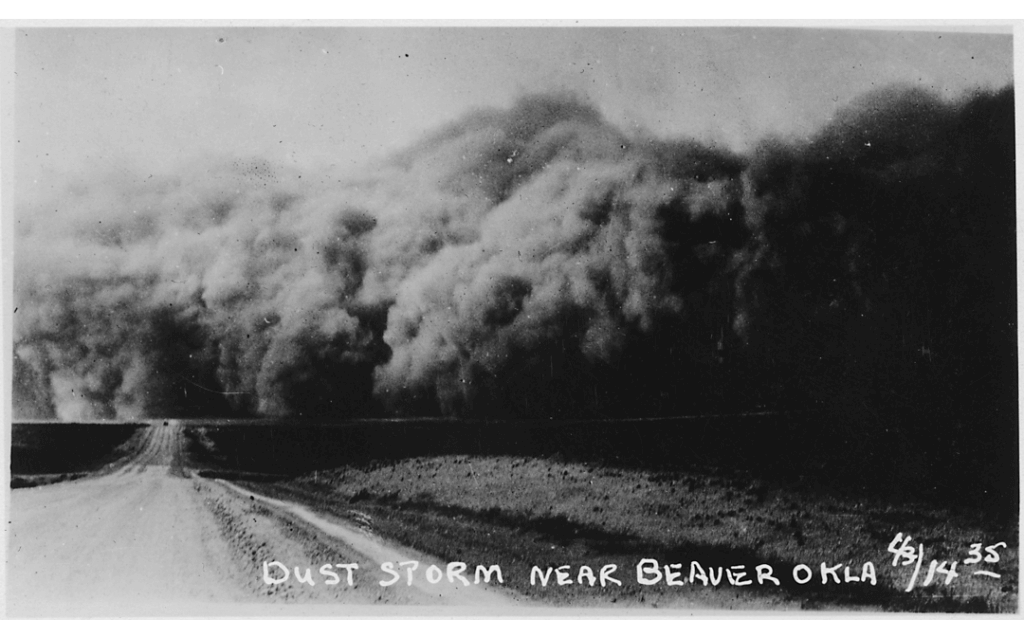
(164, 530)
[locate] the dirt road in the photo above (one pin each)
(150, 539)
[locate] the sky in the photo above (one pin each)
(151, 99)
(214, 210)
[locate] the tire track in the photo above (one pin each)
(362, 539)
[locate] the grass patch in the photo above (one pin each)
(520, 512)
(586, 494)
(241, 476)
(27, 481)
(45, 453)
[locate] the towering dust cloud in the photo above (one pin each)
(537, 262)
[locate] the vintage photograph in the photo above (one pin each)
(383, 320)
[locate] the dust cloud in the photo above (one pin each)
(536, 262)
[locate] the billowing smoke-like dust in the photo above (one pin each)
(880, 264)
(533, 261)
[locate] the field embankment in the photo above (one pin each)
(541, 495)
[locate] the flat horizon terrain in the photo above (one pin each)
(184, 516)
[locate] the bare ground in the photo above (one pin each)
(148, 536)
(522, 512)
(152, 539)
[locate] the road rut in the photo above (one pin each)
(151, 539)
